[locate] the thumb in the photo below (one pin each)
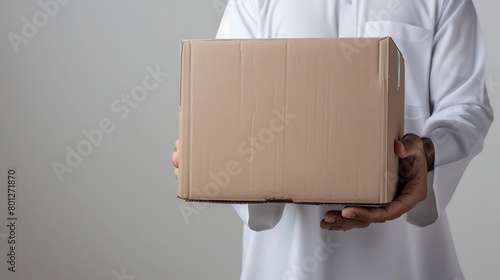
(409, 145)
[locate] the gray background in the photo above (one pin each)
(116, 215)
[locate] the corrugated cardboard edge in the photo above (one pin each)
(341, 205)
(395, 109)
(383, 75)
(185, 86)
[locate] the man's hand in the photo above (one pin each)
(175, 158)
(414, 167)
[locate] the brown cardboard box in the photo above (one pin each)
(292, 120)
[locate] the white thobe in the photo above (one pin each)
(445, 101)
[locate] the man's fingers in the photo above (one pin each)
(412, 194)
(333, 220)
(175, 159)
(410, 144)
(399, 148)
(348, 225)
(373, 215)
(332, 216)
(390, 212)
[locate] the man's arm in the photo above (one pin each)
(460, 118)
(460, 110)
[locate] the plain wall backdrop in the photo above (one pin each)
(76, 70)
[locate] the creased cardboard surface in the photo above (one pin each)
(295, 120)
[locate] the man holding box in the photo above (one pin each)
(447, 116)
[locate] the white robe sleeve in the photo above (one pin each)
(460, 110)
(239, 21)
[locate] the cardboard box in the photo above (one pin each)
(290, 120)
